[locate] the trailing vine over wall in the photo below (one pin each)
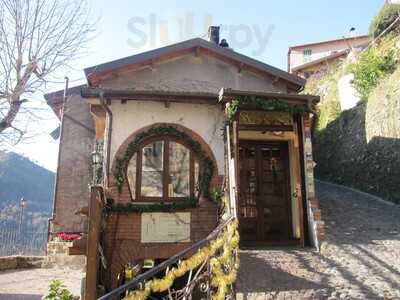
(206, 164)
(259, 103)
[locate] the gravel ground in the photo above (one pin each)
(360, 258)
(34, 283)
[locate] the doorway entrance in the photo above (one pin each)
(264, 202)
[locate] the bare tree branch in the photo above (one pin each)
(37, 39)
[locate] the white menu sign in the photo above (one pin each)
(165, 227)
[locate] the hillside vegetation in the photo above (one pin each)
(359, 147)
(20, 177)
(370, 68)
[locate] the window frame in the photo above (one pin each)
(307, 52)
(166, 170)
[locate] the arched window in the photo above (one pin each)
(163, 169)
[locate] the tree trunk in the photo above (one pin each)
(10, 116)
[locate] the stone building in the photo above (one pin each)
(174, 127)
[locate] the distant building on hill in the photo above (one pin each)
(315, 58)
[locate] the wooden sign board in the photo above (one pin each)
(265, 118)
(165, 227)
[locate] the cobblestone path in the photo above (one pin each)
(360, 258)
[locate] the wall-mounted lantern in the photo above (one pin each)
(97, 161)
(96, 157)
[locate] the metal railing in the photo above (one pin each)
(201, 277)
(14, 242)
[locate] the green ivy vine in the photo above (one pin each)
(185, 203)
(258, 103)
(206, 164)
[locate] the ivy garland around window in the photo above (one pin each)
(257, 103)
(207, 166)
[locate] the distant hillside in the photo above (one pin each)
(20, 177)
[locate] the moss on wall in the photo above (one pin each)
(327, 87)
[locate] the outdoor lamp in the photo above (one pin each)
(96, 159)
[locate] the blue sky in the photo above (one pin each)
(293, 22)
(263, 30)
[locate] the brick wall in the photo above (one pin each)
(122, 237)
(122, 234)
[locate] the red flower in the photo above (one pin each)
(68, 236)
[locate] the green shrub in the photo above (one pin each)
(329, 109)
(327, 88)
(386, 16)
(57, 291)
(372, 65)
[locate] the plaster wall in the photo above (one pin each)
(193, 73)
(206, 120)
(347, 93)
(189, 73)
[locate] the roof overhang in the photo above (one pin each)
(321, 60)
(149, 95)
(348, 39)
(198, 46)
(56, 99)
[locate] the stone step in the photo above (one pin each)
(73, 262)
(58, 255)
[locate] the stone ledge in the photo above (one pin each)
(62, 260)
(20, 262)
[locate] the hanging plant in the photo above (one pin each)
(257, 103)
(207, 166)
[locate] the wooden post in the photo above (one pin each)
(92, 259)
(230, 163)
(299, 189)
(235, 137)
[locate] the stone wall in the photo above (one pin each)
(20, 262)
(58, 254)
(361, 147)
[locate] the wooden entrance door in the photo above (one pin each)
(264, 207)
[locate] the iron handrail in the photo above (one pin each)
(165, 264)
